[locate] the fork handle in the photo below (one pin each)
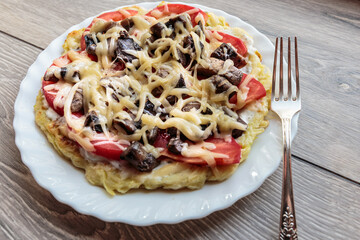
(288, 228)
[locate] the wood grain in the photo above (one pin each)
(326, 204)
(329, 130)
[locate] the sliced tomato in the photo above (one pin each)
(82, 43)
(256, 91)
(107, 149)
(50, 97)
(234, 41)
(115, 16)
(232, 149)
(168, 9)
(51, 94)
(61, 61)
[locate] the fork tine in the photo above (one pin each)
(289, 92)
(273, 91)
(281, 69)
(297, 71)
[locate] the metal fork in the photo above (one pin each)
(286, 102)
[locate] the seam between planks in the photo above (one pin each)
(330, 171)
(21, 40)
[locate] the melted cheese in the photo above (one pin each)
(63, 90)
(202, 150)
(113, 93)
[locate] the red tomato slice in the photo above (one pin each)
(168, 9)
(256, 91)
(235, 42)
(232, 149)
(61, 61)
(82, 43)
(107, 149)
(50, 97)
(51, 94)
(115, 16)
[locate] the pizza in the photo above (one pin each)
(167, 98)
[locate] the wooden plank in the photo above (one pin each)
(328, 33)
(326, 204)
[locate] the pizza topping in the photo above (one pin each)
(129, 126)
(156, 92)
(157, 31)
(137, 156)
(196, 14)
(224, 68)
(212, 152)
(164, 82)
(90, 44)
(191, 105)
(50, 75)
(69, 74)
(175, 145)
(92, 121)
(177, 24)
(220, 83)
(151, 135)
(149, 108)
(77, 102)
(251, 90)
(225, 51)
(114, 16)
(236, 133)
(124, 46)
(236, 42)
(127, 23)
(171, 99)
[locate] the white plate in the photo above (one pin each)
(68, 185)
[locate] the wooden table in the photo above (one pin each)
(326, 151)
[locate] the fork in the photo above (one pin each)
(286, 103)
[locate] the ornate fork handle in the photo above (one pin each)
(288, 228)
